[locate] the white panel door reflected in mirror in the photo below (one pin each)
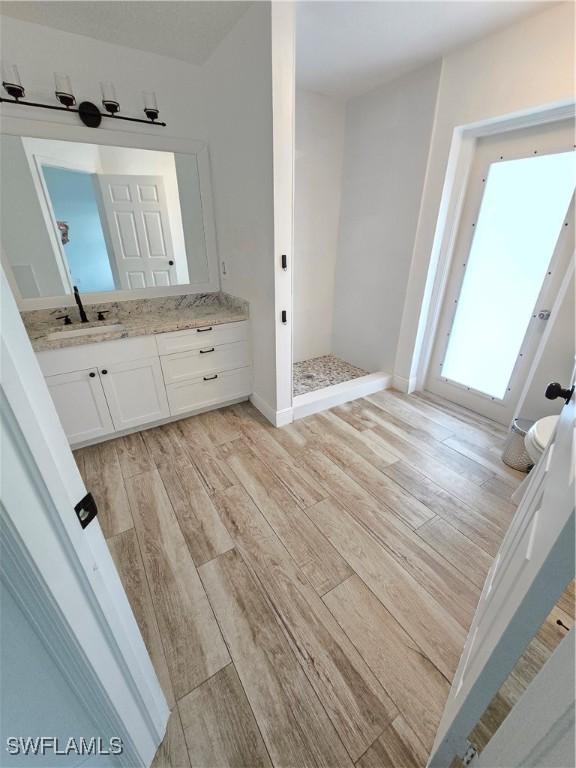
(98, 217)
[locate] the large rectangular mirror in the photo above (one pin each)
(101, 218)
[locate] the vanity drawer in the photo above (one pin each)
(199, 338)
(197, 362)
(202, 392)
(103, 353)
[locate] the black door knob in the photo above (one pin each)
(91, 374)
(104, 371)
(554, 390)
(171, 263)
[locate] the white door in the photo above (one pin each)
(62, 574)
(135, 392)
(81, 405)
(138, 224)
(530, 572)
(536, 735)
(514, 244)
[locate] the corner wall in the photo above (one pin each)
(238, 97)
(318, 182)
(388, 133)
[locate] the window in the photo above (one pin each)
(523, 210)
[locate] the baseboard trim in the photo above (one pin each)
(328, 397)
(404, 385)
(284, 417)
(277, 418)
(158, 423)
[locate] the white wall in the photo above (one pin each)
(21, 217)
(239, 108)
(39, 51)
(85, 156)
(178, 87)
(318, 180)
(385, 154)
(517, 69)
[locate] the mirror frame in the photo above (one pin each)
(140, 138)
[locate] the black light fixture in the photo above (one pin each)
(150, 105)
(11, 81)
(87, 111)
(63, 90)
(90, 114)
(109, 100)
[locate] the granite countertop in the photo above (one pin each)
(139, 317)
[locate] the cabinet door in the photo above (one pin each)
(81, 405)
(135, 392)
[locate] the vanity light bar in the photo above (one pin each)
(86, 110)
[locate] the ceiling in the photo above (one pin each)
(344, 48)
(189, 31)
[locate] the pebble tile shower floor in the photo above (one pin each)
(319, 372)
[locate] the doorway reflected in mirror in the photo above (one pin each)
(100, 217)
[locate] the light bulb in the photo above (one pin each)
(63, 89)
(150, 105)
(109, 99)
(11, 81)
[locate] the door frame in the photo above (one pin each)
(283, 21)
(565, 286)
(482, 160)
(63, 576)
(461, 157)
(36, 163)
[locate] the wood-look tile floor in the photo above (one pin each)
(305, 592)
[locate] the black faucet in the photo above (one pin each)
(83, 317)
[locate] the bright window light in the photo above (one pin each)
(522, 212)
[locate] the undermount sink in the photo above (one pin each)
(93, 330)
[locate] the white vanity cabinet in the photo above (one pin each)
(135, 392)
(209, 390)
(81, 404)
(110, 387)
(205, 366)
(107, 387)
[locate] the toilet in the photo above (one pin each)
(539, 435)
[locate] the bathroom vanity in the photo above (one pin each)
(151, 361)
(111, 254)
